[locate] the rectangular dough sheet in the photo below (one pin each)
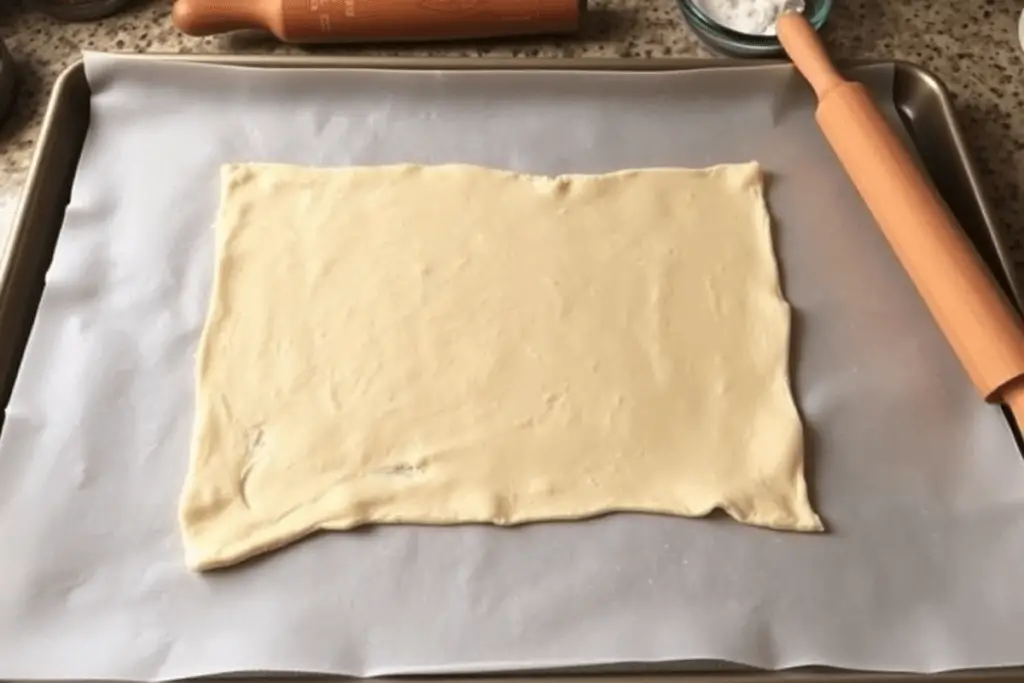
(456, 344)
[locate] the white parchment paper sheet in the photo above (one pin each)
(918, 480)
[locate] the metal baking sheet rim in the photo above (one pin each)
(48, 186)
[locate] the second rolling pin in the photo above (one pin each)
(329, 21)
(982, 327)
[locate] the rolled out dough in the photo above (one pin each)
(456, 344)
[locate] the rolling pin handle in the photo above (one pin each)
(808, 53)
(211, 17)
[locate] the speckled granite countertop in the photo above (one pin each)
(971, 44)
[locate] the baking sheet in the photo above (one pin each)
(919, 482)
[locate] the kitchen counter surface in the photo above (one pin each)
(971, 45)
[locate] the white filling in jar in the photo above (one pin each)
(754, 17)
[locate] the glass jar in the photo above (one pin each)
(730, 42)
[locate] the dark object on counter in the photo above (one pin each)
(79, 10)
(303, 21)
(6, 81)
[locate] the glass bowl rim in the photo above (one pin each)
(817, 19)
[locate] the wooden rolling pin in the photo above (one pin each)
(983, 329)
(328, 21)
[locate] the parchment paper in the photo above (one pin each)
(918, 481)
